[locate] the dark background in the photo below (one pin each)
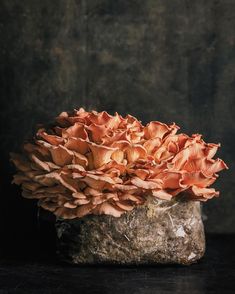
(155, 59)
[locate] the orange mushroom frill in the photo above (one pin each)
(96, 163)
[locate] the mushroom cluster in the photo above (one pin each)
(97, 163)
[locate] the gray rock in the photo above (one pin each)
(158, 232)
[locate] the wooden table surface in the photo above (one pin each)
(37, 270)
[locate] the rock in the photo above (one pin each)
(158, 232)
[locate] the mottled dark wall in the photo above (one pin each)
(156, 59)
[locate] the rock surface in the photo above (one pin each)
(157, 232)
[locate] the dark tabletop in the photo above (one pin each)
(35, 269)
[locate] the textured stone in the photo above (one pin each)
(157, 232)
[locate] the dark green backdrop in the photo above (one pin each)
(156, 59)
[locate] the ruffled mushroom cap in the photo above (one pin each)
(96, 163)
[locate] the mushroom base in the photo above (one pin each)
(158, 232)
